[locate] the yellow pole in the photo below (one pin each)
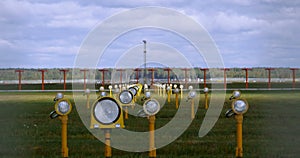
(88, 101)
(206, 100)
(192, 109)
(176, 100)
(107, 143)
(181, 93)
(126, 112)
(169, 96)
(239, 136)
(110, 93)
(152, 150)
(64, 145)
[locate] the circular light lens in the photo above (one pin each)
(192, 94)
(63, 107)
(103, 94)
(87, 91)
(101, 88)
(176, 90)
(125, 97)
(236, 94)
(205, 89)
(190, 87)
(181, 86)
(133, 90)
(240, 106)
(110, 87)
(151, 107)
(59, 96)
(148, 94)
(168, 88)
(107, 111)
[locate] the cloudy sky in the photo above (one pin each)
(249, 33)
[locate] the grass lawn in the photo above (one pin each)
(271, 129)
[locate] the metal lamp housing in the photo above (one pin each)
(240, 106)
(125, 97)
(151, 107)
(63, 107)
(107, 113)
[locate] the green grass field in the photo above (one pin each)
(271, 129)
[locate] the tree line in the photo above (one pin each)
(159, 73)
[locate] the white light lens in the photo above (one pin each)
(103, 94)
(175, 85)
(87, 91)
(151, 107)
(240, 106)
(176, 90)
(133, 90)
(236, 94)
(59, 96)
(168, 88)
(63, 107)
(148, 94)
(192, 94)
(101, 88)
(110, 87)
(181, 86)
(190, 87)
(107, 111)
(205, 89)
(126, 97)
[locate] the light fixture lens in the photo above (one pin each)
(176, 90)
(59, 96)
(148, 94)
(151, 107)
(192, 94)
(63, 107)
(107, 111)
(205, 89)
(103, 94)
(236, 94)
(190, 87)
(87, 91)
(126, 97)
(239, 106)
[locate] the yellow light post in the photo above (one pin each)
(181, 91)
(164, 90)
(171, 88)
(62, 108)
(110, 90)
(176, 91)
(107, 114)
(238, 108)
(108, 151)
(151, 107)
(191, 96)
(87, 93)
(206, 97)
(169, 93)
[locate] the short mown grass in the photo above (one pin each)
(271, 129)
